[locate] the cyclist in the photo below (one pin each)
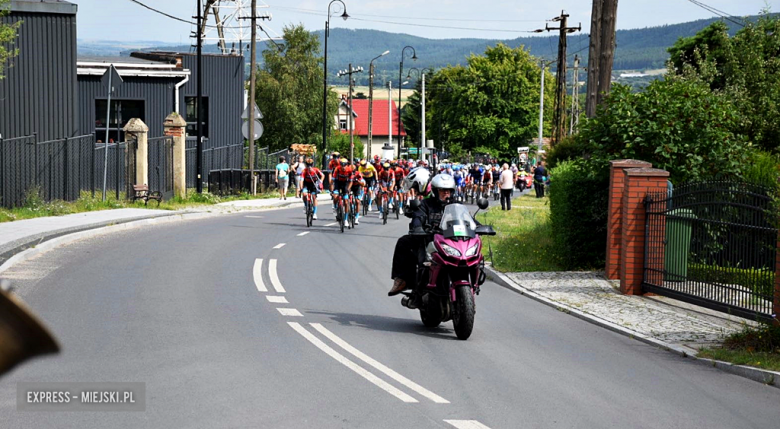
(398, 172)
(312, 181)
(357, 189)
(369, 174)
(459, 182)
(386, 184)
(487, 180)
(475, 177)
(341, 178)
(495, 176)
(334, 161)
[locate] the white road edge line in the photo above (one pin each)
(274, 277)
(276, 299)
(387, 387)
(303, 233)
(279, 246)
(466, 424)
(257, 273)
(254, 217)
(290, 312)
(379, 366)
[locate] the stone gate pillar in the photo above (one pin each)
(138, 130)
(638, 182)
(174, 126)
(615, 212)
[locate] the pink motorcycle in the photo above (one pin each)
(452, 270)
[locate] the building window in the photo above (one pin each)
(343, 124)
(192, 116)
(121, 112)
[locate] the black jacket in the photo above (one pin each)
(427, 215)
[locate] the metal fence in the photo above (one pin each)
(116, 176)
(160, 164)
(214, 158)
(713, 244)
(56, 169)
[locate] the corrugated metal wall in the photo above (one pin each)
(38, 93)
(157, 94)
(223, 84)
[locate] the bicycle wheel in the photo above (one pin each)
(366, 199)
(397, 208)
(340, 215)
(351, 214)
(385, 209)
(309, 212)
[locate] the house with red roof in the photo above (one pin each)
(379, 127)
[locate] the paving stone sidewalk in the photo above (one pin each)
(664, 319)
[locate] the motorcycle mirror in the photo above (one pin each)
(414, 204)
(483, 203)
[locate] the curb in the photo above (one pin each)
(769, 378)
(38, 244)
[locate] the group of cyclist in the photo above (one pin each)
(374, 181)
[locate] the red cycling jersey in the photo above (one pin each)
(333, 164)
(343, 174)
(399, 174)
(386, 176)
(311, 174)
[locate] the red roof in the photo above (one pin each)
(379, 126)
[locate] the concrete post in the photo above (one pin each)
(174, 125)
(615, 211)
(638, 182)
(137, 129)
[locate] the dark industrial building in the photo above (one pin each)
(38, 94)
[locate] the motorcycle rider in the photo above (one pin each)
(408, 247)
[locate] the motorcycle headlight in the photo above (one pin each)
(472, 250)
(450, 250)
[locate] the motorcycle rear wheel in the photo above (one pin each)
(463, 317)
(430, 314)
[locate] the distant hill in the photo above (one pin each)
(637, 49)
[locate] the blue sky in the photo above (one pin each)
(125, 21)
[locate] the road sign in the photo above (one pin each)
(257, 113)
(111, 77)
(258, 130)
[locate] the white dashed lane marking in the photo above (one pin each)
(254, 217)
(387, 387)
(257, 273)
(466, 424)
(379, 366)
(303, 233)
(332, 224)
(274, 277)
(279, 246)
(290, 312)
(276, 299)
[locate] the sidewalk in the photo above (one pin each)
(663, 322)
(20, 235)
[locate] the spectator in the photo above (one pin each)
(298, 168)
(282, 177)
(540, 176)
(506, 182)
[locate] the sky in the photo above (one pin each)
(124, 20)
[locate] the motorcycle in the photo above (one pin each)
(452, 270)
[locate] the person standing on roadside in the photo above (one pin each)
(282, 177)
(506, 182)
(298, 168)
(540, 175)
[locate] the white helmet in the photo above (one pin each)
(417, 178)
(442, 181)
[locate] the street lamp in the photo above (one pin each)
(344, 15)
(371, 99)
(400, 77)
(541, 103)
(423, 142)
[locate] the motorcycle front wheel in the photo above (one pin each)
(463, 317)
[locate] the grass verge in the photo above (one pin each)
(523, 240)
(35, 206)
(754, 346)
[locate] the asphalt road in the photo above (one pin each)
(179, 308)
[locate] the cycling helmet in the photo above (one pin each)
(394, 164)
(386, 165)
(363, 162)
(418, 179)
(335, 153)
(309, 161)
(442, 181)
(343, 162)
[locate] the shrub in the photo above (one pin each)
(763, 169)
(570, 148)
(578, 214)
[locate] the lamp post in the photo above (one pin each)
(371, 99)
(349, 72)
(400, 77)
(423, 143)
(344, 15)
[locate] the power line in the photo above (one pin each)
(317, 12)
(176, 18)
(720, 13)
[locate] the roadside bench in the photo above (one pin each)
(141, 192)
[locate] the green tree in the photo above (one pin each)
(289, 91)
(410, 117)
(340, 142)
(7, 36)
(492, 103)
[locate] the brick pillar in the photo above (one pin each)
(616, 184)
(638, 182)
(137, 129)
(174, 126)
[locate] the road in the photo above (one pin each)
(254, 320)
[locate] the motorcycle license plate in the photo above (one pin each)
(459, 230)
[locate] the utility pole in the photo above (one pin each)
(600, 53)
(541, 108)
(199, 107)
(370, 106)
(252, 85)
(575, 97)
(390, 114)
(559, 117)
(349, 72)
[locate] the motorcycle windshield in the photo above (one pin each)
(456, 221)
